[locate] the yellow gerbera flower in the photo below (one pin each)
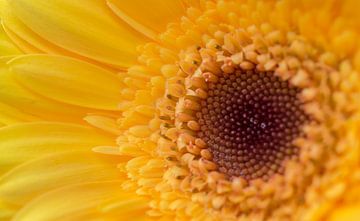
(179, 110)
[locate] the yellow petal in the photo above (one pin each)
(151, 18)
(20, 43)
(108, 150)
(6, 46)
(6, 213)
(30, 179)
(22, 35)
(83, 202)
(22, 142)
(10, 115)
(28, 41)
(87, 28)
(104, 123)
(16, 96)
(68, 80)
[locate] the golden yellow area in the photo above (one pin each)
(93, 106)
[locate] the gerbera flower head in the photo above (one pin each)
(179, 110)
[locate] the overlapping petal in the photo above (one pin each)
(6, 46)
(10, 115)
(28, 180)
(85, 201)
(68, 80)
(150, 18)
(23, 142)
(15, 96)
(86, 28)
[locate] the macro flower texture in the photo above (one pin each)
(180, 110)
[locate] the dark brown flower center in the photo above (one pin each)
(249, 121)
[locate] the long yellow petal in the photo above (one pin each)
(104, 123)
(83, 202)
(30, 179)
(10, 115)
(6, 46)
(22, 142)
(18, 32)
(150, 18)
(16, 96)
(6, 212)
(28, 41)
(24, 46)
(87, 28)
(68, 80)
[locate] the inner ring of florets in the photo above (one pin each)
(249, 121)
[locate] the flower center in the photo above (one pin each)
(249, 121)
(252, 119)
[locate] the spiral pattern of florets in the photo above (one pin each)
(249, 121)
